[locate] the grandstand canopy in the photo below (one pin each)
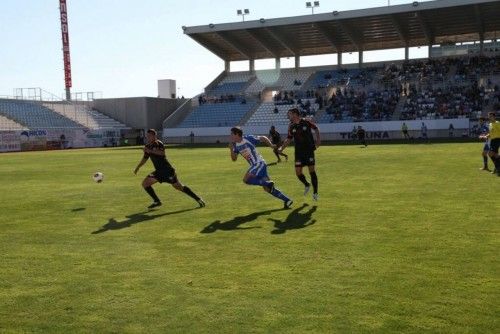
(409, 25)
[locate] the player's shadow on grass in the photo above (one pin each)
(234, 224)
(77, 209)
(133, 219)
(295, 220)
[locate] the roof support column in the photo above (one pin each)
(252, 65)
(297, 62)
(227, 66)
(360, 57)
(481, 44)
(407, 52)
(278, 63)
(430, 50)
(339, 59)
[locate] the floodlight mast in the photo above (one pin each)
(242, 13)
(65, 41)
(312, 5)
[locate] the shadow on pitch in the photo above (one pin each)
(135, 218)
(77, 209)
(234, 224)
(295, 220)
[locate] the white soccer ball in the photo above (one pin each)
(98, 177)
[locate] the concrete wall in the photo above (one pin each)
(138, 112)
(331, 131)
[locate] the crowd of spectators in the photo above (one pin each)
(442, 103)
(203, 99)
(359, 105)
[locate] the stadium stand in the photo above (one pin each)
(285, 79)
(85, 116)
(217, 114)
(8, 124)
(336, 77)
(34, 115)
(227, 88)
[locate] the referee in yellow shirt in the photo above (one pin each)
(494, 136)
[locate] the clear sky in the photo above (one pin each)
(122, 47)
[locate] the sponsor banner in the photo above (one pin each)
(9, 141)
(41, 139)
(33, 140)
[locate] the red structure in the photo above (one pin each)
(65, 41)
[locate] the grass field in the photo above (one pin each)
(404, 239)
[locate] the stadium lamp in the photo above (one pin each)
(415, 3)
(335, 12)
(211, 25)
(242, 13)
(262, 20)
(312, 5)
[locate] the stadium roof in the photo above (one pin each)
(414, 24)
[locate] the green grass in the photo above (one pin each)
(404, 239)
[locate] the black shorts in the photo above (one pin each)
(166, 175)
(304, 158)
(494, 145)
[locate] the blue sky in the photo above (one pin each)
(122, 47)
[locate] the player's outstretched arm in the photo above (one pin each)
(284, 144)
(318, 137)
(266, 141)
(141, 163)
(234, 156)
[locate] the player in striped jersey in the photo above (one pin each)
(257, 173)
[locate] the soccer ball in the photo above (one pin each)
(98, 177)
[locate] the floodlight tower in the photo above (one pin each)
(243, 12)
(65, 42)
(312, 5)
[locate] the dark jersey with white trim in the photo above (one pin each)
(302, 135)
(159, 161)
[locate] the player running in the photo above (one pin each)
(164, 172)
(300, 130)
(276, 140)
(257, 173)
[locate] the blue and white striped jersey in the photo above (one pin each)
(248, 150)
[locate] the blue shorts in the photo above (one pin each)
(486, 147)
(259, 170)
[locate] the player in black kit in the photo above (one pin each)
(361, 133)
(164, 172)
(300, 130)
(276, 140)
